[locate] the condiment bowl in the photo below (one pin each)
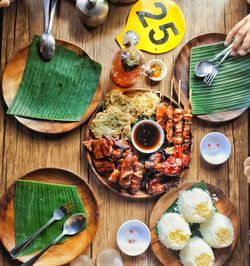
(133, 237)
(159, 64)
(147, 136)
(215, 148)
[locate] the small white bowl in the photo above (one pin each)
(215, 148)
(162, 65)
(160, 130)
(133, 237)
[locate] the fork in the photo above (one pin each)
(58, 214)
(208, 80)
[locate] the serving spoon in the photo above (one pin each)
(205, 67)
(73, 225)
(47, 43)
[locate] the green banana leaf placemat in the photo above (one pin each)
(230, 89)
(61, 89)
(34, 205)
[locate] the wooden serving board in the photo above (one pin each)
(115, 187)
(181, 72)
(12, 77)
(224, 206)
(73, 247)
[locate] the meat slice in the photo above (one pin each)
(88, 144)
(127, 171)
(104, 166)
(121, 144)
(116, 154)
(160, 184)
(106, 145)
(154, 159)
(115, 176)
(136, 177)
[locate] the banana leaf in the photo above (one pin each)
(61, 89)
(230, 89)
(174, 209)
(34, 205)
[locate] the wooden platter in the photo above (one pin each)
(224, 206)
(181, 72)
(114, 187)
(73, 247)
(12, 77)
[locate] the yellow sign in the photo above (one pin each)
(159, 23)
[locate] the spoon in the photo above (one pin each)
(73, 225)
(47, 43)
(204, 67)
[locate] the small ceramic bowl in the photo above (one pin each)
(158, 64)
(215, 148)
(154, 136)
(133, 237)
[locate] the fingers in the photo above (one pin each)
(239, 38)
(246, 44)
(234, 30)
(247, 162)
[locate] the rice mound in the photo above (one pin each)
(197, 253)
(218, 231)
(173, 231)
(195, 205)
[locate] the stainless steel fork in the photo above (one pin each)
(208, 80)
(58, 214)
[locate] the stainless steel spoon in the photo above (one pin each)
(72, 226)
(204, 67)
(47, 44)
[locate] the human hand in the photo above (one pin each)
(241, 35)
(247, 168)
(5, 3)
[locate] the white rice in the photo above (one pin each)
(195, 205)
(197, 253)
(218, 231)
(173, 231)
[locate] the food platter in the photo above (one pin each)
(181, 72)
(12, 77)
(115, 187)
(223, 205)
(58, 254)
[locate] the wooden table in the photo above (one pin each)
(23, 150)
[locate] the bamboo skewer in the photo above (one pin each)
(171, 91)
(179, 93)
(190, 98)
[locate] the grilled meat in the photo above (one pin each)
(104, 166)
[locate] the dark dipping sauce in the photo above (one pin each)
(147, 136)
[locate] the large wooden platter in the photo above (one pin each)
(224, 206)
(181, 72)
(73, 247)
(114, 187)
(12, 77)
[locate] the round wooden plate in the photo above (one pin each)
(181, 72)
(12, 77)
(224, 206)
(114, 187)
(73, 247)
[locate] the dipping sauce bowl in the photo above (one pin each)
(133, 237)
(215, 148)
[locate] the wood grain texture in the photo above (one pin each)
(181, 72)
(23, 150)
(223, 205)
(58, 254)
(12, 78)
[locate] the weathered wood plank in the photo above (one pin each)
(23, 150)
